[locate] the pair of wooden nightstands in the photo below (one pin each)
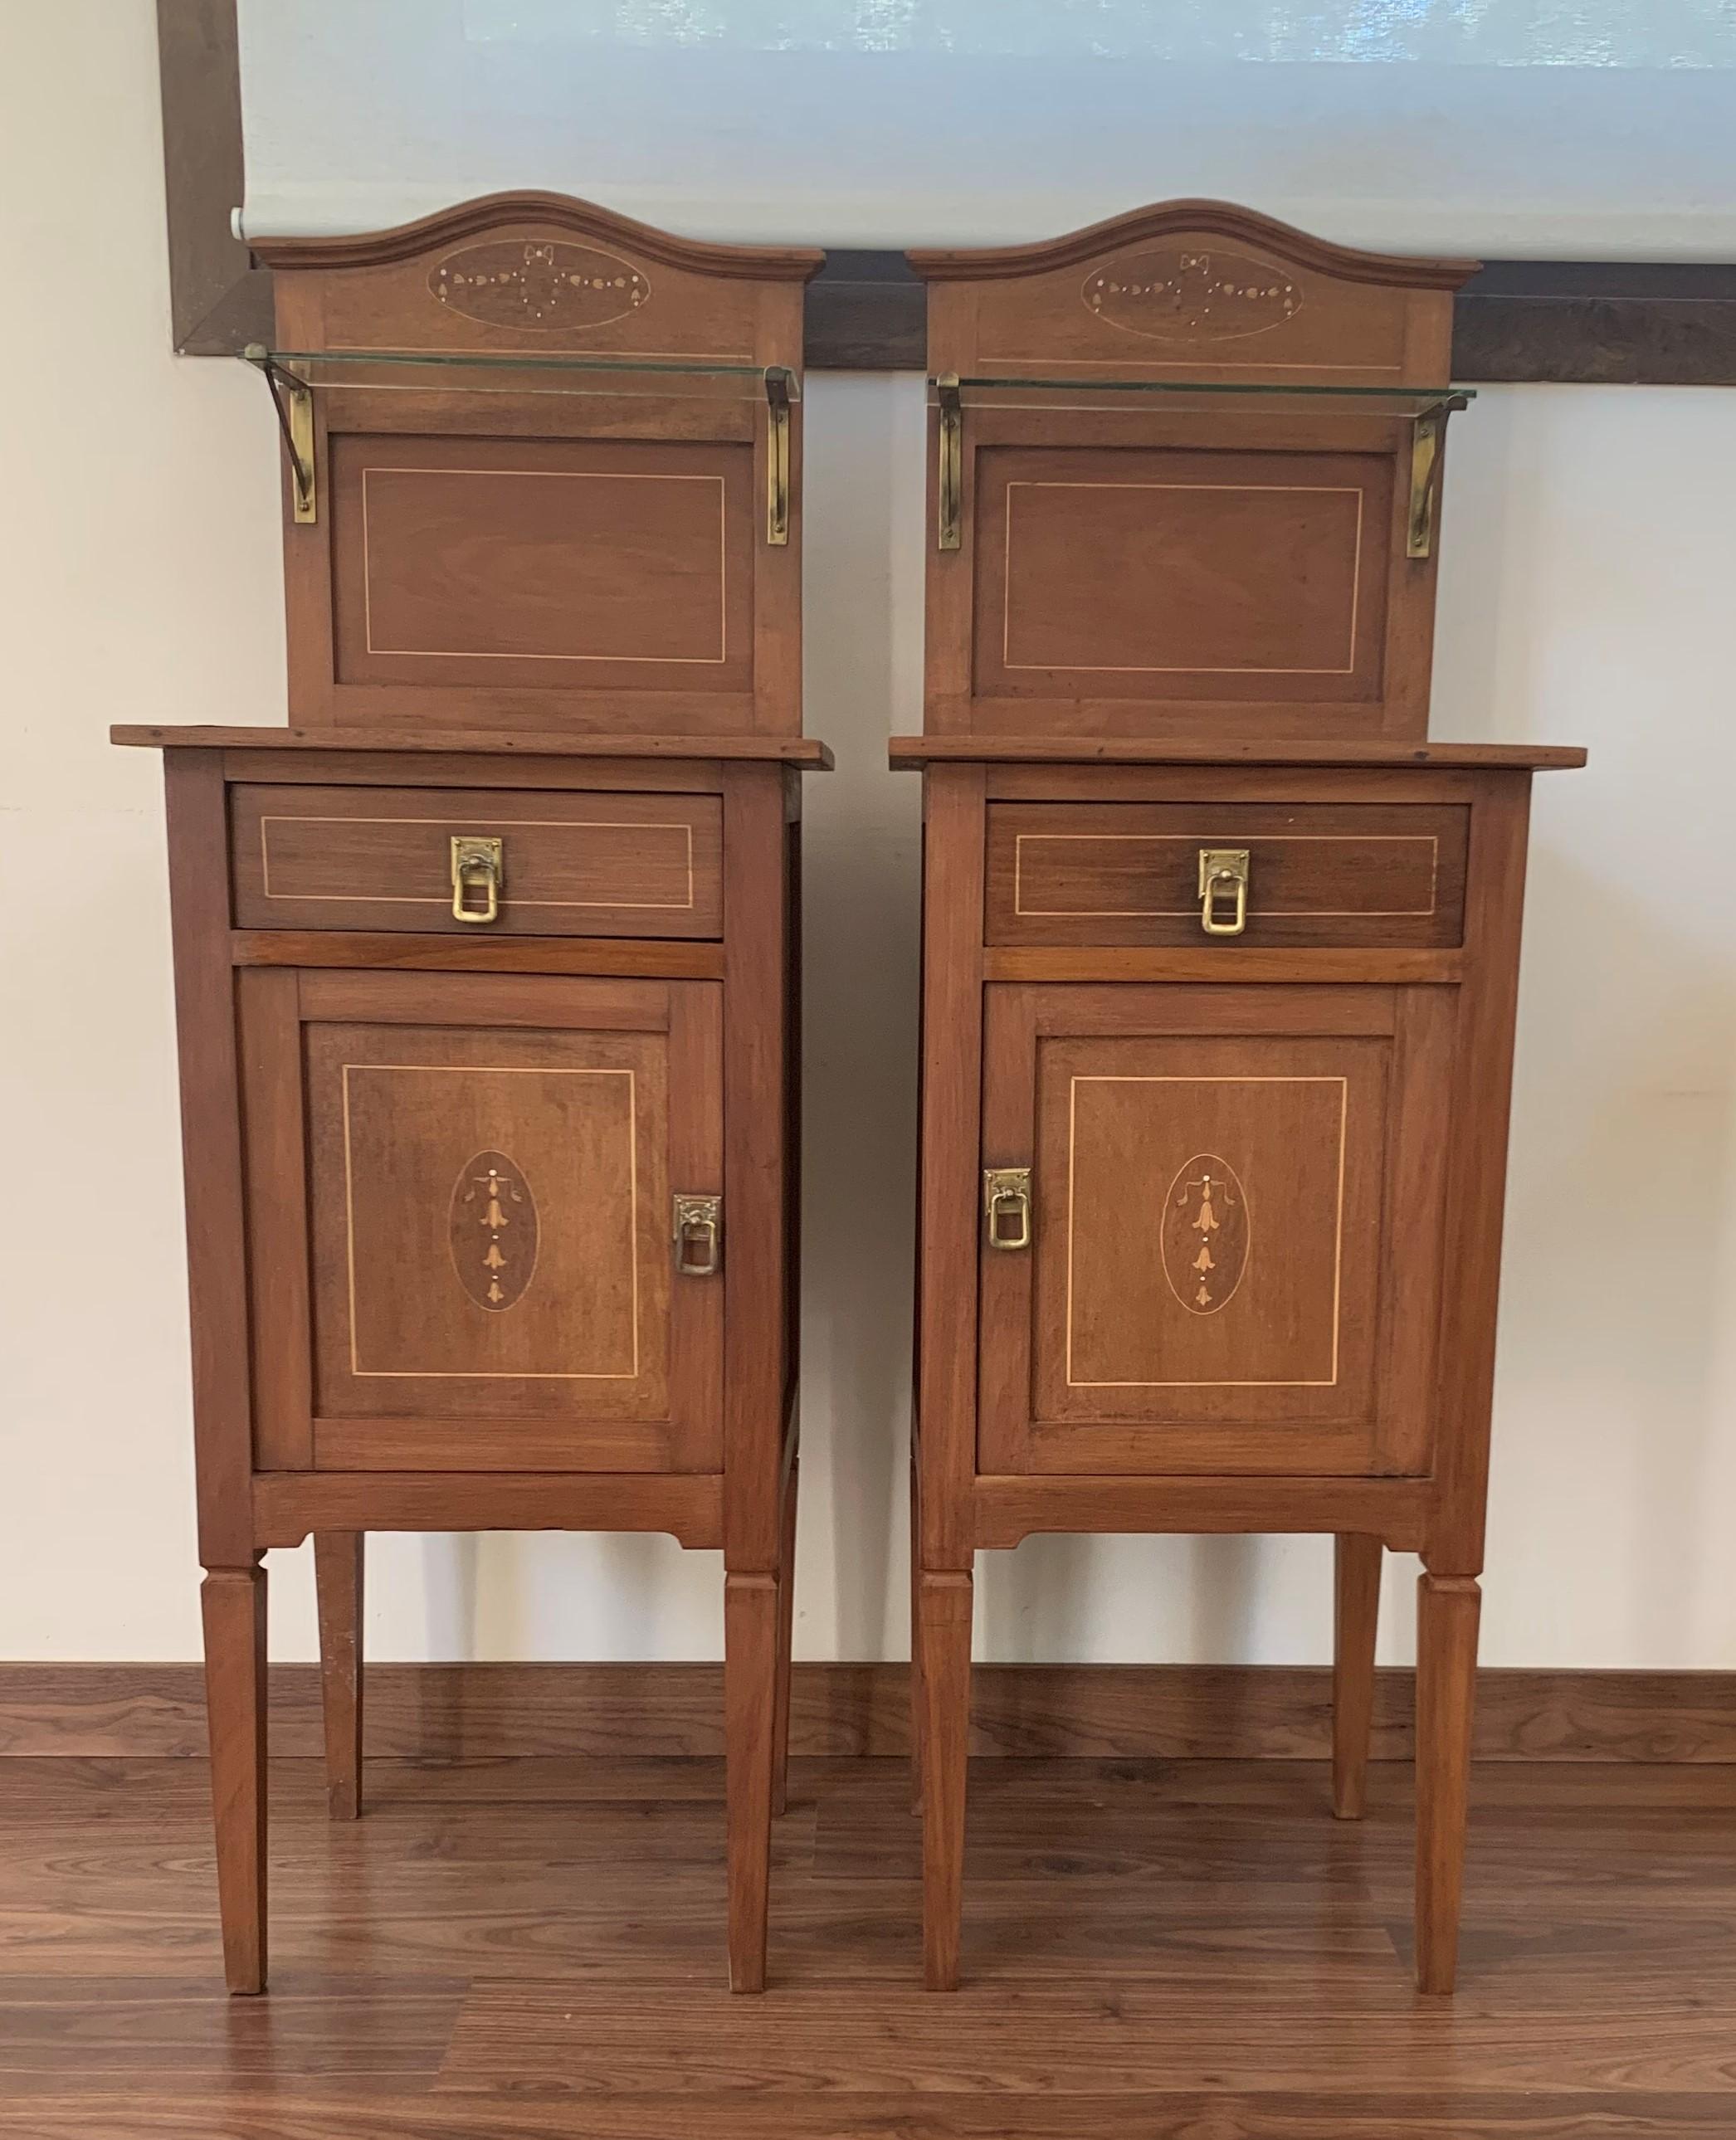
(487, 988)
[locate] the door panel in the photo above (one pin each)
(1161, 573)
(542, 564)
(1224, 1183)
(1139, 565)
(489, 1168)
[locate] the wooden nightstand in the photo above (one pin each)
(1219, 959)
(486, 977)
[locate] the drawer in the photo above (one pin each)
(572, 865)
(1375, 874)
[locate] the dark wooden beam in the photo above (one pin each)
(1616, 323)
(866, 312)
(218, 301)
(1647, 323)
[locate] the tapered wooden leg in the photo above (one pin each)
(943, 1640)
(1447, 1611)
(339, 1567)
(232, 1603)
(916, 1693)
(785, 1637)
(750, 1676)
(1355, 1615)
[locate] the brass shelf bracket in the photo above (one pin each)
(777, 455)
(293, 399)
(1427, 431)
(950, 512)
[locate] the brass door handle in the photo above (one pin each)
(478, 863)
(1223, 874)
(697, 1234)
(1007, 1206)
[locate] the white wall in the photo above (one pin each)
(1586, 597)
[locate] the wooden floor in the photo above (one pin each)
(523, 1948)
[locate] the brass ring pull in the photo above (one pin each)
(1007, 1206)
(699, 1226)
(478, 863)
(1222, 875)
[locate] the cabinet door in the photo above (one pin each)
(460, 1199)
(1234, 1246)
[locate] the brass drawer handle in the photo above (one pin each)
(1223, 874)
(478, 864)
(698, 1230)
(1006, 1203)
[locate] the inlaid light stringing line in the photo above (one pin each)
(495, 1374)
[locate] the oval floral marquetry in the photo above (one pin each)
(1204, 1237)
(512, 283)
(495, 1231)
(1178, 296)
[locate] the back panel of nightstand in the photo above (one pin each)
(545, 549)
(1131, 562)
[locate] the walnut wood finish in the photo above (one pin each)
(520, 1950)
(430, 1180)
(555, 758)
(1447, 1607)
(786, 1639)
(1128, 873)
(1097, 1361)
(381, 858)
(232, 1602)
(1211, 1193)
(1049, 755)
(1558, 1720)
(444, 1272)
(1337, 1377)
(494, 553)
(340, 1565)
(1162, 566)
(1356, 1621)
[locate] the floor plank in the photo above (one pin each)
(509, 1950)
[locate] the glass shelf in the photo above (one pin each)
(293, 376)
(496, 372)
(1425, 409)
(1218, 396)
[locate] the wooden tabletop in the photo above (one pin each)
(801, 751)
(916, 751)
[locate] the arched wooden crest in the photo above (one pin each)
(1133, 562)
(542, 274)
(588, 518)
(1193, 289)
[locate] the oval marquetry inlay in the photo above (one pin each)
(1178, 296)
(1205, 1236)
(511, 283)
(495, 1231)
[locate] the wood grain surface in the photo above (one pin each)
(381, 858)
(1121, 1712)
(1191, 1951)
